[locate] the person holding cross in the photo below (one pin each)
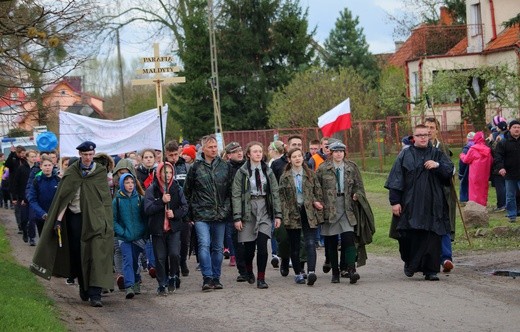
(78, 237)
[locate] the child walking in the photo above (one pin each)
(165, 206)
(130, 230)
(256, 206)
(300, 194)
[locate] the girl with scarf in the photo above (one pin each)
(165, 206)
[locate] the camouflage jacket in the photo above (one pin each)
(241, 194)
(353, 184)
(311, 193)
(207, 190)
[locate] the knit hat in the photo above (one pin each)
(502, 126)
(190, 151)
(470, 135)
(513, 122)
(497, 119)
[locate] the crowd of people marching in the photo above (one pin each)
(100, 218)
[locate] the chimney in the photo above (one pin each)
(398, 44)
(446, 18)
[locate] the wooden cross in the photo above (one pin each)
(158, 80)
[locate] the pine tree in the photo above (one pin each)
(347, 47)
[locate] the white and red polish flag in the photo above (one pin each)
(336, 119)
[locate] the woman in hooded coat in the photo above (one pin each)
(480, 160)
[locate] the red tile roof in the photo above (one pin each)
(460, 48)
(507, 38)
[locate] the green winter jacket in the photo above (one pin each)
(311, 193)
(241, 194)
(207, 190)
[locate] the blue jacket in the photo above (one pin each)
(129, 224)
(41, 193)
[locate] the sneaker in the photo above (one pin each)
(25, 238)
(198, 267)
(311, 278)
(96, 303)
(232, 261)
(499, 209)
(335, 279)
(512, 220)
(152, 272)
(129, 292)
(299, 279)
(32, 242)
(207, 284)
(172, 284)
(242, 278)
(120, 280)
(447, 266)
(161, 291)
(226, 253)
(177, 282)
(275, 261)
(137, 288)
(344, 274)
(69, 281)
(431, 277)
(261, 284)
(217, 284)
(251, 278)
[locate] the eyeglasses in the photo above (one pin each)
(421, 135)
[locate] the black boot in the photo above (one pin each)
(335, 276)
(284, 267)
(353, 275)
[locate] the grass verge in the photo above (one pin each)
(382, 244)
(24, 304)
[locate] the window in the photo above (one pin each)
(414, 86)
(476, 20)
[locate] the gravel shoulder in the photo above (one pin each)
(470, 298)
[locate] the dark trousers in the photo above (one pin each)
(185, 241)
(260, 244)
(21, 213)
(499, 182)
(239, 253)
(331, 245)
(166, 249)
(34, 224)
(74, 226)
(420, 250)
(309, 240)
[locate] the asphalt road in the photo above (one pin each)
(468, 299)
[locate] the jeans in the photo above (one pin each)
(464, 191)
(130, 252)
(33, 225)
(167, 248)
(511, 187)
(446, 248)
(500, 189)
(274, 243)
(228, 237)
(210, 235)
(148, 249)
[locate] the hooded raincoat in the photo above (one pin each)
(480, 159)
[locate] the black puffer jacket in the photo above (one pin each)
(507, 156)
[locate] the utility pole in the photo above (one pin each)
(121, 80)
(215, 90)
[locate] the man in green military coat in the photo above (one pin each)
(77, 238)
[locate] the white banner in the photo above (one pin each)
(138, 132)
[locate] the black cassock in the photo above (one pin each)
(425, 214)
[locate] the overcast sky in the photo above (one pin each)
(322, 14)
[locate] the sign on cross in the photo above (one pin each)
(158, 79)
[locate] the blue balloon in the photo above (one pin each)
(47, 141)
